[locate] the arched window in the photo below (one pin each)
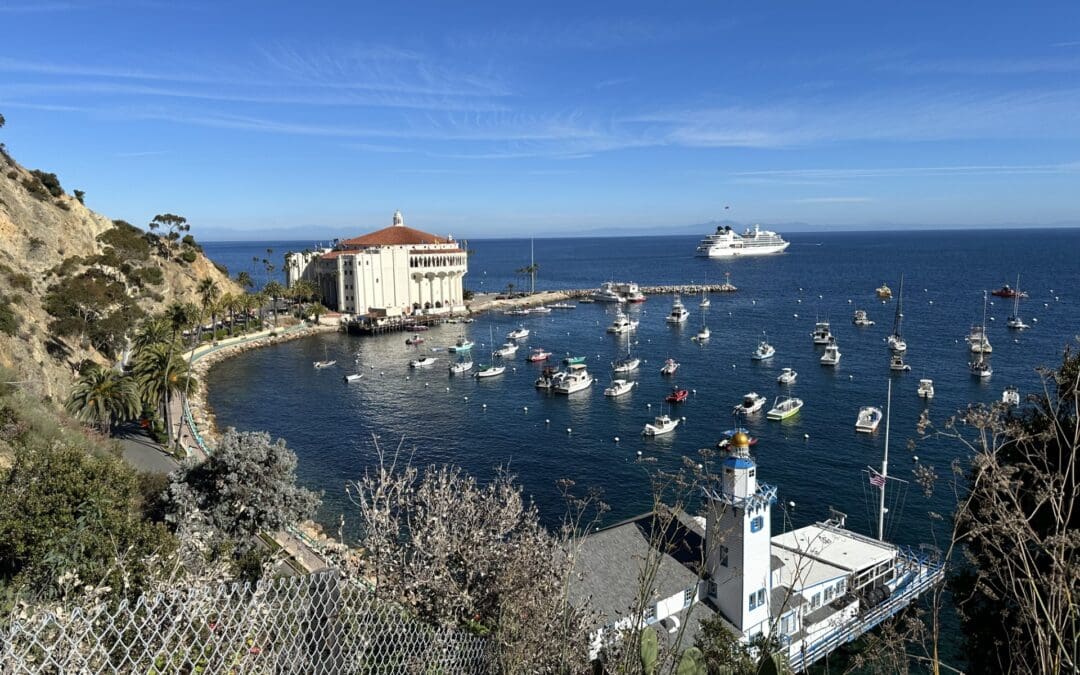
(438, 304)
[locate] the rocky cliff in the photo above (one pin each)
(71, 280)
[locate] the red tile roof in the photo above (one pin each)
(394, 236)
(437, 251)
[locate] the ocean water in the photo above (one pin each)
(816, 458)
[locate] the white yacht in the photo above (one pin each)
(460, 367)
(422, 362)
(1011, 396)
(669, 368)
(577, 378)
(548, 377)
(926, 389)
(607, 293)
(821, 334)
(620, 387)
(725, 243)
(629, 292)
(787, 376)
(861, 318)
(764, 351)
(896, 363)
(869, 419)
(679, 313)
(784, 408)
(751, 403)
(507, 349)
(831, 357)
(622, 324)
(519, 333)
(661, 424)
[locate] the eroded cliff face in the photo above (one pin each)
(49, 238)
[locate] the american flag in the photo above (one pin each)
(876, 479)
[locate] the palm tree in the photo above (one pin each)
(275, 291)
(317, 310)
(161, 373)
(245, 281)
(153, 330)
(102, 397)
(208, 293)
(230, 303)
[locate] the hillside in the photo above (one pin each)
(72, 281)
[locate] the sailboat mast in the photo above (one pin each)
(532, 269)
(1016, 298)
(885, 466)
(899, 309)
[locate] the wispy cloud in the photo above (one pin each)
(1070, 43)
(583, 34)
(612, 82)
(833, 200)
(899, 172)
(140, 153)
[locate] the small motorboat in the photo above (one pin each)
(703, 335)
(323, 364)
(677, 396)
(574, 380)
(415, 340)
(490, 371)
(1011, 396)
(896, 363)
(462, 345)
(422, 362)
(518, 311)
(883, 292)
(926, 389)
(751, 403)
(861, 318)
(831, 357)
(622, 324)
(573, 360)
(518, 334)
(670, 366)
(467, 319)
(353, 377)
(460, 367)
(1008, 291)
(538, 354)
(821, 334)
(661, 424)
(620, 387)
(764, 351)
(540, 310)
(868, 420)
(679, 313)
(562, 305)
(787, 376)
(548, 377)
(784, 407)
(508, 349)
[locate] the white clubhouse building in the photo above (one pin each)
(392, 272)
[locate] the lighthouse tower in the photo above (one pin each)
(738, 533)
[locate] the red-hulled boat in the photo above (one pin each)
(677, 396)
(1008, 291)
(539, 355)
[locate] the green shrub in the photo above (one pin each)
(189, 240)
(128, 240)
(49, 181)
(9, 320)
(189, 256)
(13, 174)
(35, 188)
(80, 195)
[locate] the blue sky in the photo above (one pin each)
(269, 118)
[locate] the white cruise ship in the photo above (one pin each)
(727, 244)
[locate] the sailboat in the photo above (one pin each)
(628, 364)
(705, 302)
(896, 340)
(326, 361)
(703, 334)
(980, 367)
(1015, 322)
(490, 370)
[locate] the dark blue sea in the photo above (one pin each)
(816, 458)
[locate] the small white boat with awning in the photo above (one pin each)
(821, 334)
(787, 376)
(751, 403)
(861, 318)
(661, 424)
(896, 363)
(926, 388)
(620, 387)
(868, 420)
(540, 310)
(508, 349)
(831, 357)
(1011, 396)
(460, 367)
(462, 345)
(764, 351)
(518, 334)
(422, 362)
(622, 324)
(784, 407)
(679, 313)
(669, 368)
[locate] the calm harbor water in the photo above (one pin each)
(816, 458)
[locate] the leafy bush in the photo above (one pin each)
(17, 280)
(13, 174)
(92, 305)
(49, 181)
(9, 320)
(128, 240)
(80, 195)
(189, 240)
(189, 256)
(146, 276)
(35, 188)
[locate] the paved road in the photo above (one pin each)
(140, 451)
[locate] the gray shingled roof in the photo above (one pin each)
(610, 562)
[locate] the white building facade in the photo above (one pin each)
(395, 271)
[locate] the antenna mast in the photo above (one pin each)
(885, 466)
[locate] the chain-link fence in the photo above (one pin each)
(312, 624)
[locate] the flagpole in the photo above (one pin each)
(885, 466)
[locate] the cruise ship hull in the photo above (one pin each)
(740, 251)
